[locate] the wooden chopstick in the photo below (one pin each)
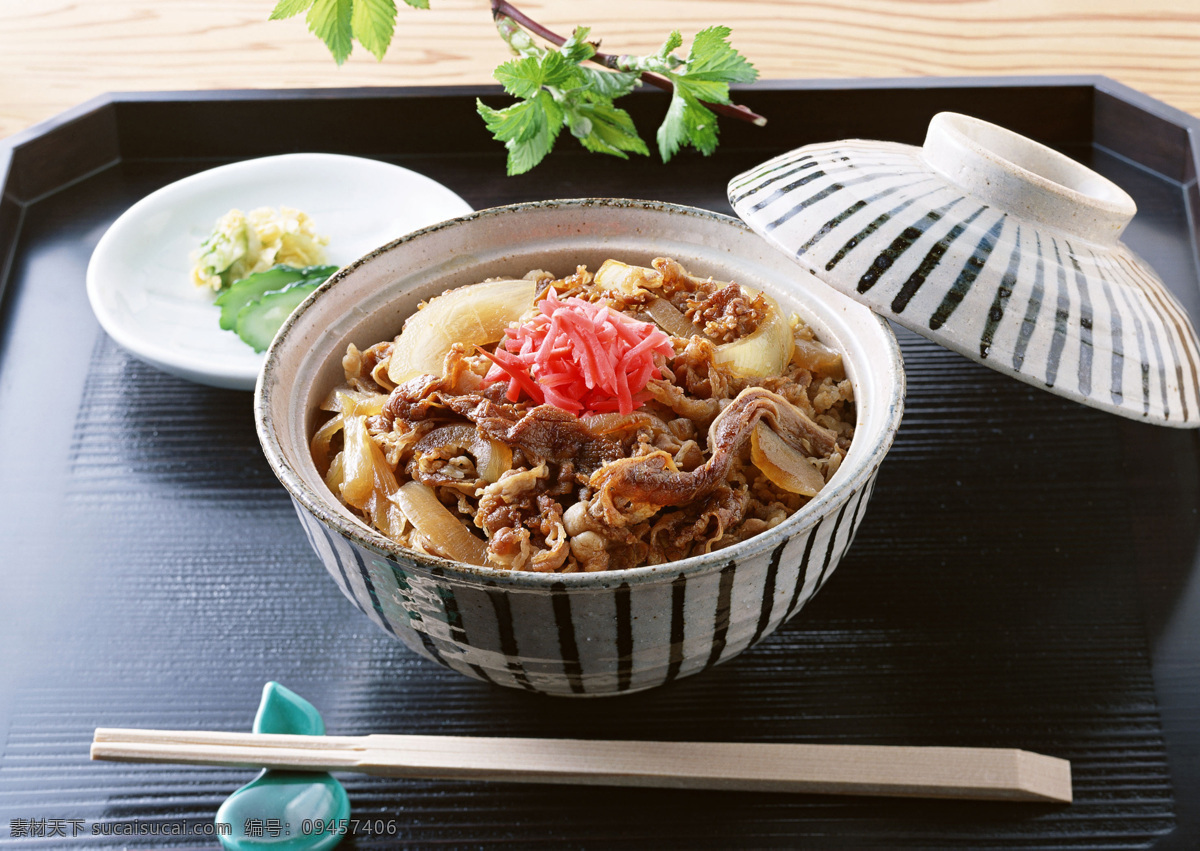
(995, 774)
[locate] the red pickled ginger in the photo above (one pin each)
(582, 357)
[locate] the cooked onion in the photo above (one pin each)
(819, 359)
(438, 528)
(322, 439)
(671, 320)
(786, 466)
(602, 424)
(492, 460)
(615, 275)
(474, 315)
(367, 480)
(334, 477)
(345, 403)
(765, 352)
(358, 467)
(345, 400)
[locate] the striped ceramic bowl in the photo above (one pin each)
(574, 634)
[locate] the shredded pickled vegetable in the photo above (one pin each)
(582, 357)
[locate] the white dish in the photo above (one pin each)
(138, 279)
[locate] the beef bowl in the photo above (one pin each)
(676, 600)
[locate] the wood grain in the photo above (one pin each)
(55, 54)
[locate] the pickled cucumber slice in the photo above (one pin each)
(253, 287)
(258, 321)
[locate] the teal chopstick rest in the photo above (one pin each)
(281, 710)
(285, 810)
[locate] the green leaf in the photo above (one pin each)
(288, 8)
(528, 129)
(517, 76)
(712, 58)
(608, 84)
(513, 122)
(674, 42)
(607, 130)
(418, 4)
(329, 20)
(521, 78)
(576, 49)
(707, 90)
(688, 122)
(524, 77)
(373, 23)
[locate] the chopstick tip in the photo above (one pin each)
(1046, 777)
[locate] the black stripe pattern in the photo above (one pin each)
(655, 632)
(873, 220)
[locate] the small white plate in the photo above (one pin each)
(138, 280)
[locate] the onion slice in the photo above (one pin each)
(786, 466)
(819, 359)
(630, 280)
(320, 443)
(603, 424)
(671, 320)
(343, 400)
(764, 352)
(367, 480)
(474, 315)
(358, 462)
(440, 530)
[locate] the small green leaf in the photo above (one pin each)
(687, 122)
(713, 58)
(557, 70)
(578, 123)
(288, 8)
(576, 49)
(610, 130)
(712, 64)
(526, 153)
(329, 20)
(418, 4)
(521, 78)
(609, 84)
(674, 42)
(512, 122)
(528, 129)
(706, 90)
(524, 77)
(373, 23)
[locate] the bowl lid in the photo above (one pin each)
(994, 246)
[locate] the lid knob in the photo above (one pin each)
(1011, 172)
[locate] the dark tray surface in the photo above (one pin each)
(1026, 576)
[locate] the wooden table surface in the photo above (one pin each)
(58, 53)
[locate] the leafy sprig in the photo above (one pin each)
(555, 90)
(568, 84)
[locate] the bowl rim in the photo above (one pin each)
(856, 476)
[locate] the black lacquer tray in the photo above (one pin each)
(1026, 575)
